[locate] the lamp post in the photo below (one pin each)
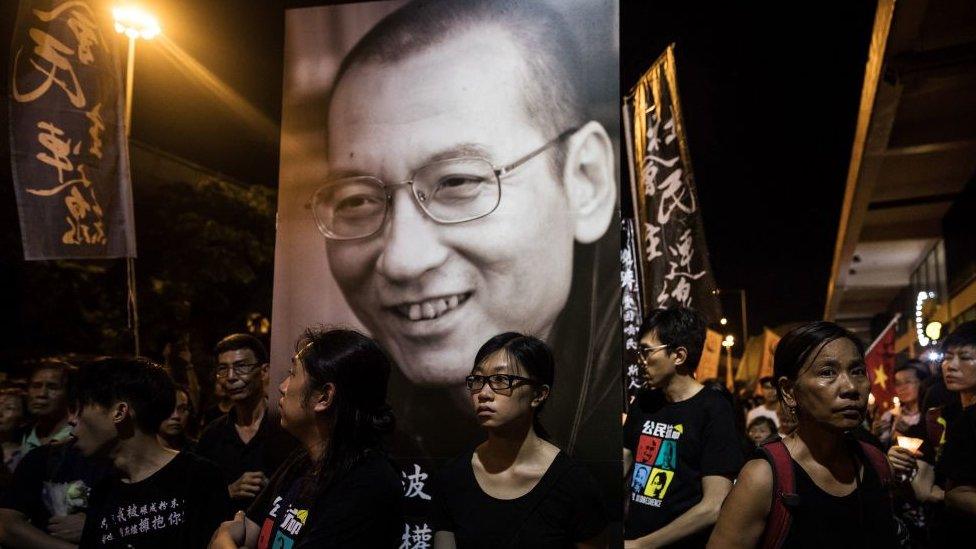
(742, 305)
(728, 342)
(134, 23)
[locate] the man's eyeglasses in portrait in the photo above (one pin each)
(448, 191)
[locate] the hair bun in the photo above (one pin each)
(382, 419)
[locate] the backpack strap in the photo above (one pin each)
(878, 462)
(784, 494)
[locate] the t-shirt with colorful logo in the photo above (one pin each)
(361, 509)
(674, 445)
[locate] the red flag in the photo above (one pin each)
(880, 360)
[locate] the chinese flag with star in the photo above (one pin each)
(880, 360)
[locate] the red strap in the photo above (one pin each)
(878, 462)
(778, 523)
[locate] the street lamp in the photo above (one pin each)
(742, 303)
(134, 22)
(728, 342)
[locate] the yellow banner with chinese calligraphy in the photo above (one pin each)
(674, 266)
(69, 156)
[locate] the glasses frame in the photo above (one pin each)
(388, 188)
(472, 379)
(644, 352)
(225, 370)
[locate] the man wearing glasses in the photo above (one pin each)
(681, 448)
(470, 194)
(247, 443)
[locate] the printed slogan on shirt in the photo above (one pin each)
(656, 460)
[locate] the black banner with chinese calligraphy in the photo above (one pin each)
(630, 305)
(674, 266)
(68, 147)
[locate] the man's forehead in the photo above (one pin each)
(959, 349)
(47, 374)
(468, 86)
(236, 355)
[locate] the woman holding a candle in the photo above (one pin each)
(836, 481)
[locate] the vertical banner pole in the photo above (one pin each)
(130, 263)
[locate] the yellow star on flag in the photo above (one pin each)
(880, 378)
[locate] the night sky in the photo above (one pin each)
(770, 92)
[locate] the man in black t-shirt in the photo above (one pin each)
(681, 448)
(247, 443)
(154, 496)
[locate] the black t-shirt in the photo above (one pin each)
(360, 509)
(52, 479)
(265, 452)
(674, 445)
(564, 507)
(178, 506)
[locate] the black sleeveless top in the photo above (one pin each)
(860, 519)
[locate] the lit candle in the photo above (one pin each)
(897, 409)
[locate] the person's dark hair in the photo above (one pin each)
(235, 342)
(678, 327)
(767, 379)
(552, 92)
(763, 420)
(921, 372)
(142, 384)
(360, 369)
(963, 335)
(799, 343)
(533, 356)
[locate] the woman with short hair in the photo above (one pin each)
(818, 486)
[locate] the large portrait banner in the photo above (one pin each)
(431, 196)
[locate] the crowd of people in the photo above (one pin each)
(817, 462)
(103, 455)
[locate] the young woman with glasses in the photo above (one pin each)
(515, 489)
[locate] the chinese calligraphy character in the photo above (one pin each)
(418, 539)
(415, 486)
(52, 51)
(57, 149)
(653, 241)
(95, 130)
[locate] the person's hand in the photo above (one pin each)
(249, 485)
(232, 529)
(902, 461)
(68, 528)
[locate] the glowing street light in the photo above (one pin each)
(728, 342)
(135, 22)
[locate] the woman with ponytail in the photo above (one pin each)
(341, 490)
(516, 489)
